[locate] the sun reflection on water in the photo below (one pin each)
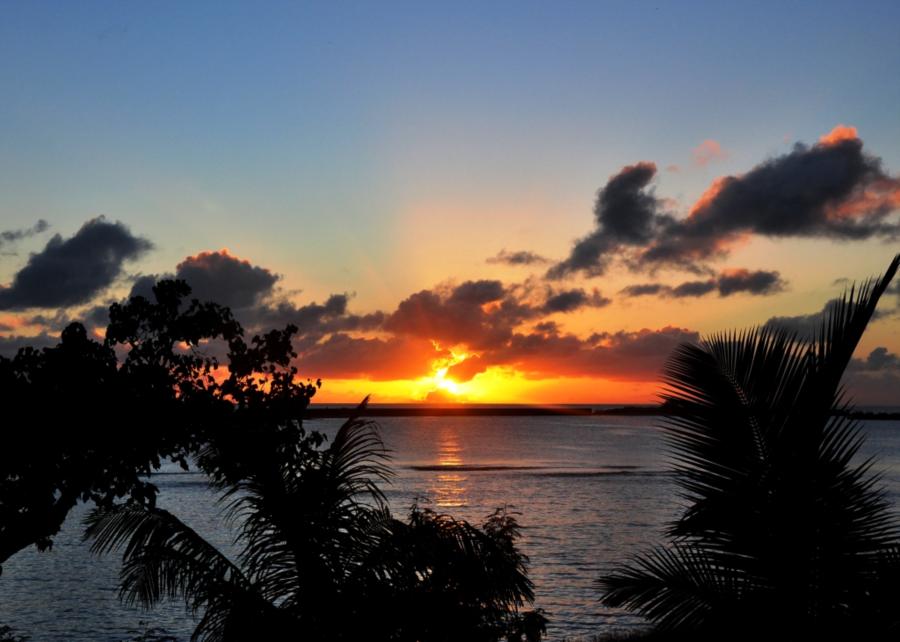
(448, 489)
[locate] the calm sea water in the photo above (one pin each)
(590, 490)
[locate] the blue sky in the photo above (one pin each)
(382, 147)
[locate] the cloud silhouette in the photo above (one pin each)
(522, 257)
(249, 290)
(876, 379)
(72, 271)
(483, 314)
(10, 345)
(832, 189)
(570, 300)
(11, 236)
(645, 289)
(623, 355)
(226, 279)
(726, 283)
(342, 356)
(626, 214)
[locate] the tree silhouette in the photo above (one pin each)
(320, 554)
(87, 420)
(785, 531)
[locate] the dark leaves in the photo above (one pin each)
(782, 518)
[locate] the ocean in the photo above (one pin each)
(589, 491)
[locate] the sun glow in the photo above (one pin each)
(439, 386)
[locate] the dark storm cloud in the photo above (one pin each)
(522, 257)
(11, 236)
(626, 214)
(74, 270)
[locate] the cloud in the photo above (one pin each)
(11, 236)
(342, 356)
(545, 352)
(458, 316)
(226, 279)
(522, 257)
(74, 270)
(880, 359)
(831, 189)
(693, 288)
(626, 213)
(803, 325)
(10, 345)
(484, 313)
(624, 355)
(726, 283)
(570, 300)
(249, 290)
(707, 152)
(644, 289)
(875, 380)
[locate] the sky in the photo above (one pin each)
(506, 202)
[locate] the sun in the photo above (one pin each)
(440, 386)
(444, 383)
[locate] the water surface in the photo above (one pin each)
(589, 490)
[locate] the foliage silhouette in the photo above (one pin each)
(320, 553)
(785, 531)
(86, 420)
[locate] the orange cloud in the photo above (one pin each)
(707, 152)
(838, 134)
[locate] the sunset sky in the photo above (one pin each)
(505, 202)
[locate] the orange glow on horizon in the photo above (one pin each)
(495, 385)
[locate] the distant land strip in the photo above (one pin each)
(344, 412)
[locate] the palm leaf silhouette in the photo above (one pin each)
(782, 522)
(319, 552)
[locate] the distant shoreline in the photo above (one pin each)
(424, 410)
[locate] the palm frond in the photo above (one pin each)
(679, 588)
(779, 507)
(164, 558)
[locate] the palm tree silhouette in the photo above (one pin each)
(783, 523)
(321, 557)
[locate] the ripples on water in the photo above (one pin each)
(590, 490)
